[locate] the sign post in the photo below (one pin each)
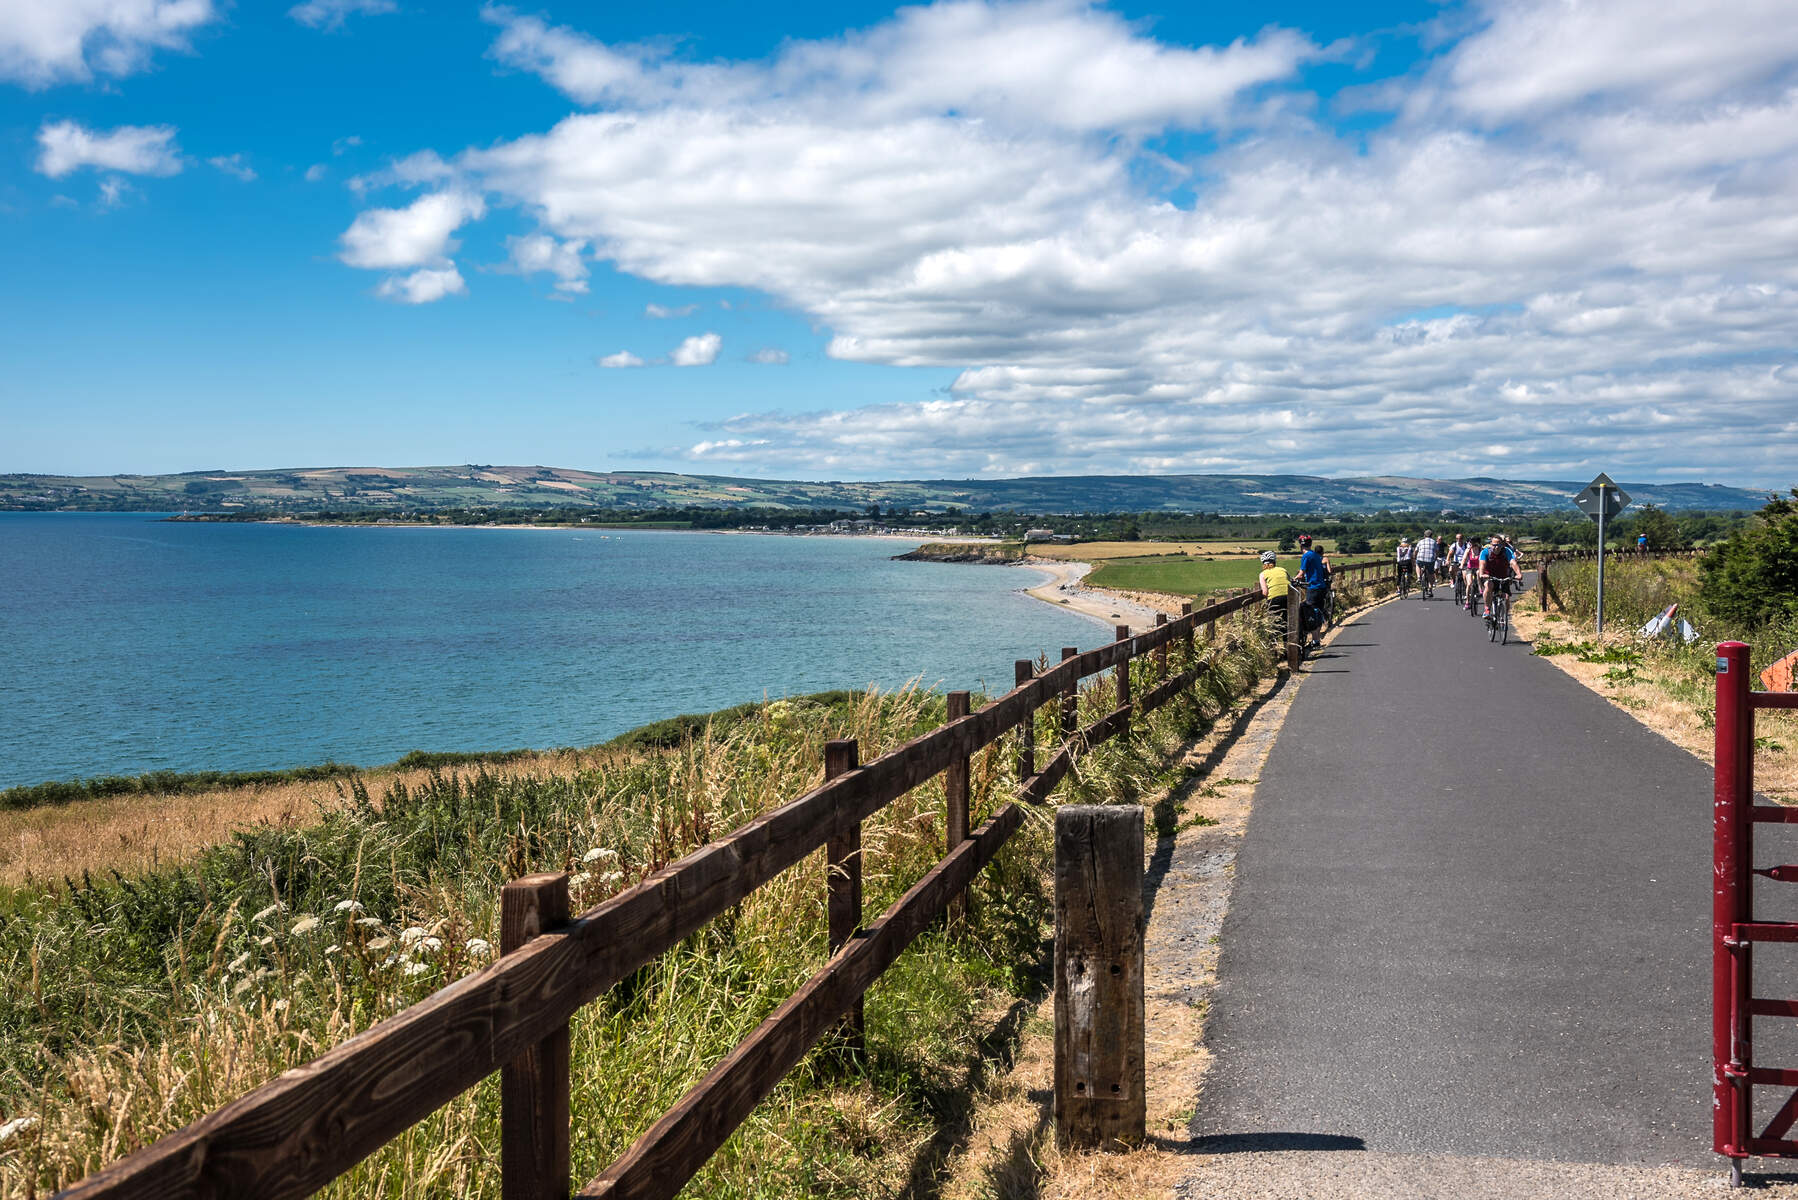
(1601, 501)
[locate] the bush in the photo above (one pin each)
(1751, 579)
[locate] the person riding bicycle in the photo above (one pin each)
(1402, 560)
(1314, 576)
(1498, 566)
(1455, 554)
(1424, 555)
(1276, 585)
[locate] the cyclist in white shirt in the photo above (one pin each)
(1425, 555)
(1404, 561)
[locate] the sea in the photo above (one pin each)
(129, 643)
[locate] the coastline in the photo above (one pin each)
(1065, 589)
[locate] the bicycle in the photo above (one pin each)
(1460, 582)
(1498, 621)
(1428, 576)
(1404, 580)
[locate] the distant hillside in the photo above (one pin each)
(310, 489)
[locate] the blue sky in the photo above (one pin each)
(1528, 239)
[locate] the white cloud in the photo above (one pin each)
(1576, 239)
(44, 42)
(234, 166)
(662, 313)
(423, 286)
(417, 235)
(540, 252)
(771, 356)
(114, 191)
(65, 146)
(316, 172)
(331, 14)
(624, 358)
(700, 350)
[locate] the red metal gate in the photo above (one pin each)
(1734, 929)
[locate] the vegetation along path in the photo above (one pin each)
(1470, 917)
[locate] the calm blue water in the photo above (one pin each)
(128, 644)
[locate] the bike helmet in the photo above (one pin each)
(1268, 556)
(1304, 539)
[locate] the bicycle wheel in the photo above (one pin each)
(1504, 626)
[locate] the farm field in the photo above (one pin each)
(1180, 575)
(1096, 551)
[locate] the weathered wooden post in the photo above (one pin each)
(1295, 626)
(534, 1087)
(1186, 641)
(1099, 1058)
(1160, 650)
(1123, 679)
(844, 895)
(955, 802)
(1023, 671)
(1070, 698)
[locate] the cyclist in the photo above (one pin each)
(1276, 584)
(1470, 573)
(1457, 565)
(1498, 566)
(1314, 575)
(1403, 561)
(1424, 554)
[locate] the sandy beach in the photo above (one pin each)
(1065, 588)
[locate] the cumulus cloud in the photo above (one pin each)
(624, 358)
(44, 42)
(661, 313)
(66, 146)
(316, 172)
(770, 356)
(331, 14)
(700, 350)
(423, 286)
(1573, 239)
(419, 234)
(536, 252)
(234, 166)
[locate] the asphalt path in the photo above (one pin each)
(1471, 915)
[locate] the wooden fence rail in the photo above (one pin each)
(301, 1130)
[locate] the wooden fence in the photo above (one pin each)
(301, 1130)
(1545, 588)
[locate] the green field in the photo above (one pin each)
(1178, 575)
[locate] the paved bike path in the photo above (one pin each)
(1470, 915)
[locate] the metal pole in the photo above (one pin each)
(1730, 880)
(1603, 504)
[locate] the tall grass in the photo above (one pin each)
(137, 1003)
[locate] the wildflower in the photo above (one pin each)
(348, 906)
(597, 853)
(578, 880)
(304, 926)
(265, 941)
(279, 1005)
(412, 935)
(330, 950)
(417, 968)
(479, 947)
(369, 922)
(612, 878)
(429, 945)
(16, 1127)
(240, 962)
(268, 912)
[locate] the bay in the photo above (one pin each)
(130, 644)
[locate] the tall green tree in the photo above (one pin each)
(1751, 578)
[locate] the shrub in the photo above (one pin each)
(1751, 579)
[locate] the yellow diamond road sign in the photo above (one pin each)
(1602, 495)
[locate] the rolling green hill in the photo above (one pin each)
(309, 489)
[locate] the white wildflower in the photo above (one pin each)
(265, 940)
(380, 943)
(348, 906)
(479, 947)
(369, 922)
(412, 935)
(16, 1127)
(304, 926)
(268, 912)
(333, 949)
(391, 959)
(417, 968)
(578, 880)
(597, 853)
(240, 962)
(279, 1005)
(612, 878)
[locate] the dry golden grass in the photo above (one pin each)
(128, 833)
(1651, 697)
(1100, 551)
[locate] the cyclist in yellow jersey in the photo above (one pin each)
(1275, 585)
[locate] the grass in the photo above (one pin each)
(145, 997)
(1102, 551)
(1180, 575)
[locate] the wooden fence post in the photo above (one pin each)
(534, 1087)
(1023, 671)
(1070, 698)
(1295, 626)
(1123, 679)
(1161, 650)
(955, 803)
(844, 894)
(1186, 638)
(1099, 1058)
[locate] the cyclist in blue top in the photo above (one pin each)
(1314, 575)
(1497, 563)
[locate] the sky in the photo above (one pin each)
(1527, 239)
